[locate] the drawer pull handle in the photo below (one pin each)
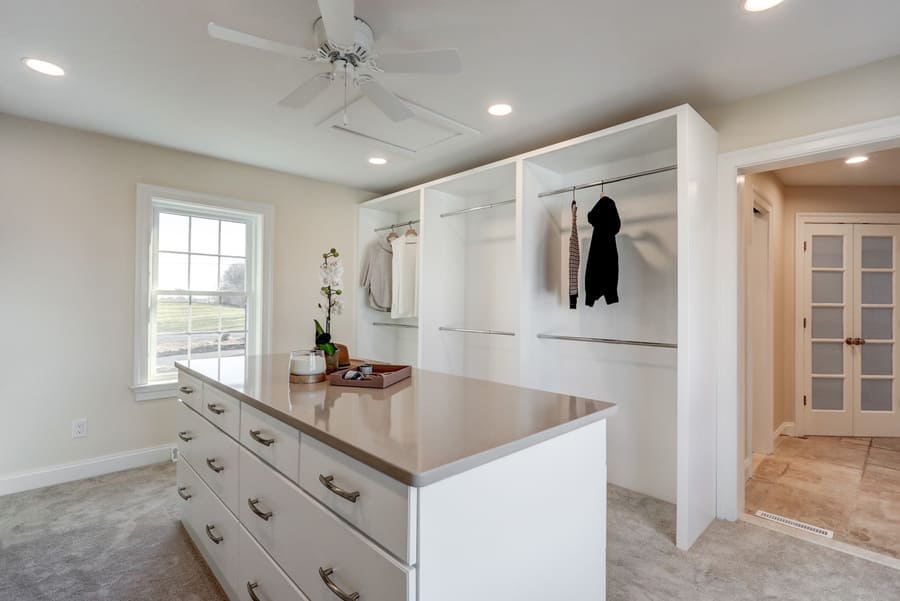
(215, 408)
(212, 465)
(325, 575)
(266, 515)
(186, 390)
(328, 482)
(186, 497)
(185, 436)
(213, 537)
(254, 434)
(250, 590)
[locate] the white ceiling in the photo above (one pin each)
(882, 169)
(146, 70)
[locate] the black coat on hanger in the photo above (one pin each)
(601, 276)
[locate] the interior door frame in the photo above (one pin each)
(801, 426)
(731, 310)
(761, 203)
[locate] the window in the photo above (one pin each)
(202, 285)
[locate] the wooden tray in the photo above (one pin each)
(383, 375)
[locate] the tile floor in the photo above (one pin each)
(848, 485)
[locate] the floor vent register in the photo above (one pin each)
(795, 524)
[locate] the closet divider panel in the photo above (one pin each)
(642, 380)
(379, 337)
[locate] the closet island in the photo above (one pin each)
(441, 487)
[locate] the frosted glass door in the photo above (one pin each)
(828, 374)
(876, 362)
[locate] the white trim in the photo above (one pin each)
(151, 392)
(731, 316)
(88, 468)
(261, 321)
(785, 429)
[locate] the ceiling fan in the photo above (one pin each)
(347, 44)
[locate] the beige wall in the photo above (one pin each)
(833, 199)
(67, 264)
(858, 95)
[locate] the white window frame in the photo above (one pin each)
(260, 218)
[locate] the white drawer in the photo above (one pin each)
(192, 429)
(312, 544)
(259, 579)
(222, 409)
(383, 508)
(218, 532)
(190, 390)
(212, 454)
(273, 441)
(189, 487)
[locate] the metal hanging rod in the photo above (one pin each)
(396, 225)
(481, 208)
(610, 180)
(393, 325)
(470, 331)
(609, 341)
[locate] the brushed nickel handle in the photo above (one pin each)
(250, 590)
(213, 537)
(265, 515)
(328, 482)
(212, 465)
(215, 408)
(186, 390)
(185, 436)
(254, 434)
(186, 497)
(325, 575)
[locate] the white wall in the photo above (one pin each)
(67, 265)
(857, 95)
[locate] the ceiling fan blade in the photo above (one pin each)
(245, 39)
(307, 91)
(426, 61)
(339, 21)
(389, 104)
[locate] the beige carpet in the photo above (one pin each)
(117, 538)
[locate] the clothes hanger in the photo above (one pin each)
(411, 231)
(393, 235)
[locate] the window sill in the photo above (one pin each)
(150, 392)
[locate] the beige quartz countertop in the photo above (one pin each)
(418, 431)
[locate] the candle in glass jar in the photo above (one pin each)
(308, 363)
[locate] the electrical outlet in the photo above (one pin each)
(79, 427)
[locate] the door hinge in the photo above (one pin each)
(804, 246)
(804, 400)
(804, 323)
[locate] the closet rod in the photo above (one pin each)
(481, 208)
(470, 331)
(393, 325)
(609, 341)
(610, 180)
(392, 226)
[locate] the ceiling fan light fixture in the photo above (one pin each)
(500, 110)
(377, 161)
(43, 67)
(857, 160)
(758, 6)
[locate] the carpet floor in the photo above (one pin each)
(118, 538)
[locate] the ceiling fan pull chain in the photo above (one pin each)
(346, 93)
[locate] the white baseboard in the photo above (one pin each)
(786, 429)
(97, 466)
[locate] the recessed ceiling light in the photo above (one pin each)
(757, 6)
(499, 110)
(857, 160)
(377, 161)
(36, 64)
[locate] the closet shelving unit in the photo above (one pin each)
(494, 293)
(378, 336)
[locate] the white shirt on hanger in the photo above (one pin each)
(405, 280)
